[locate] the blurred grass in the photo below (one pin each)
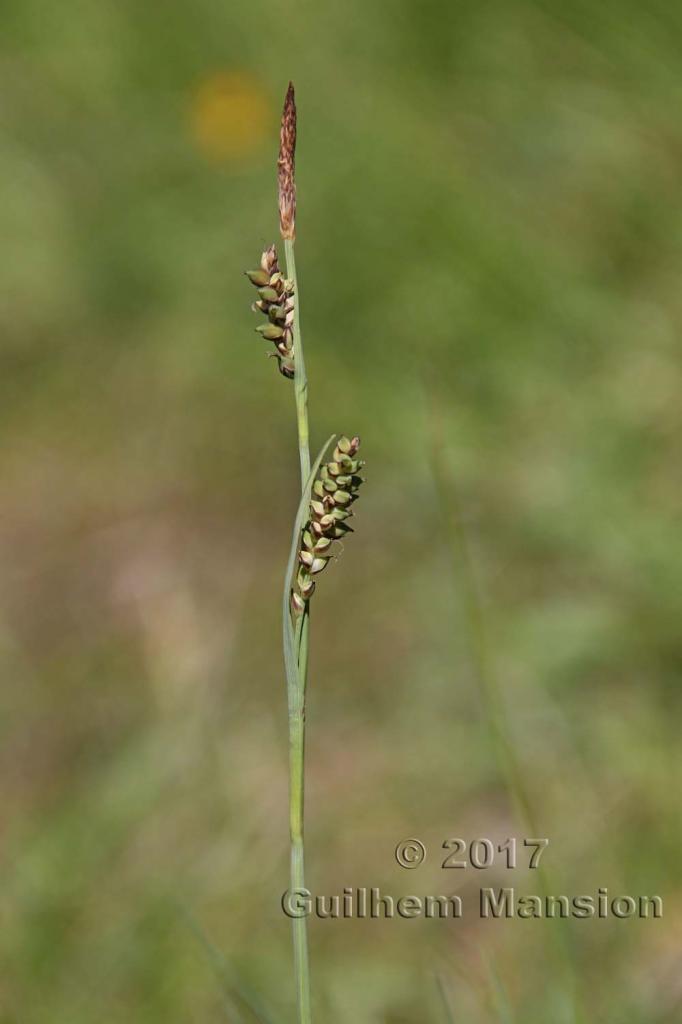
(489, 199)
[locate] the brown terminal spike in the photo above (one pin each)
(285, 167)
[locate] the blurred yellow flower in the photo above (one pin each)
(230, 115)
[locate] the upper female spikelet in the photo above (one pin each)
(276, 301)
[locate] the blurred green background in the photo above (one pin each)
(489, 255)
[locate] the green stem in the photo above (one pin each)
(300, 379)
(297, 692)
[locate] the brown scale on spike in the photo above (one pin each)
(285, 167)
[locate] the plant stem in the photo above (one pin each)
(297, 692)
(300, 379)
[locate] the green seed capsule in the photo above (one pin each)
(318, 565)
(322, 545)
(258, 277)
(343, 498)
(305, 584)
(276, 313)
(297, 604)
(268, 294)
(270, 331)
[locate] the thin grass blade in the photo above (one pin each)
(236, 995)
(446, 1002)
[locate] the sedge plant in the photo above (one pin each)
(328, 490)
